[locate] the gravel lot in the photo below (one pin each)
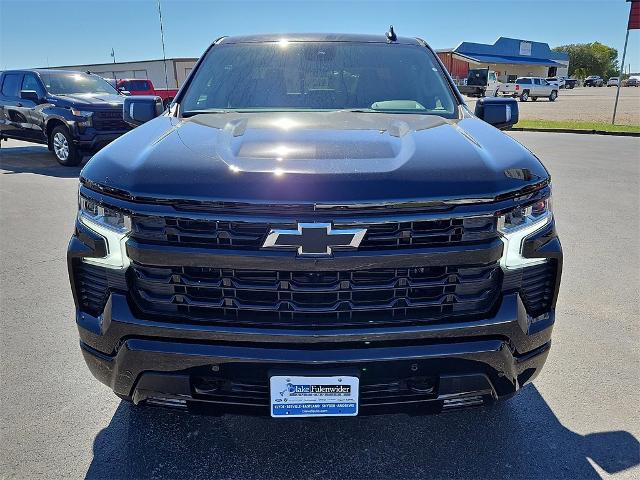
(585, 104)
(581, 419)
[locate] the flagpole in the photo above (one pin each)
(624, 53)
(634, 24)
(113, 55)
(164, 58)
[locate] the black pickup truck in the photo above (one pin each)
(73, 113)
(319, 226)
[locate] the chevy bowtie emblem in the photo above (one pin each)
(314, 238)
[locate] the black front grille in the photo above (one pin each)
(251, 235)
(266, 298)
(537, 287)
(109, 120)
(91, 286)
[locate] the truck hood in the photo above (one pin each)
(315, 157)
(90, 101)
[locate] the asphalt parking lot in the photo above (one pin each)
(587, 104)
(581, 418)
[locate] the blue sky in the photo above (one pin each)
(37, 34)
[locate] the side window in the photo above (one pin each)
(536, 81)
(30, 82)
(10, 84)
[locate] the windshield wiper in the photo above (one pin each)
(191, 113)
(358, 110)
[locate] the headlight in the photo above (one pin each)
(81, 113)
(112, 225)
(516, 225)
(87, 117)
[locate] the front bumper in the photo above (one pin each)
(462, 364)
(94, 141)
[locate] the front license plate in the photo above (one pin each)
(293, 396)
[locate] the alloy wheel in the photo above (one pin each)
(61, 146)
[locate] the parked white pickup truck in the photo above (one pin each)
(530, 88)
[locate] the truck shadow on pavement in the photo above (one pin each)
(521, 438)
(36, 159)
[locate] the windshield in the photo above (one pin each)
(67, 83)
(320, 76)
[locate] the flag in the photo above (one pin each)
(634, 15)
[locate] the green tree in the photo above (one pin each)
(591, 59)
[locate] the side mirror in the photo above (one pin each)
(138, 110)
(502, 113)
(30, 95)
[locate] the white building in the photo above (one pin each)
(177, 70)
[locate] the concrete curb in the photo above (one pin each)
(570, 130)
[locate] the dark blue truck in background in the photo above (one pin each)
(73, 113)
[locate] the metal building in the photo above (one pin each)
(177, 70)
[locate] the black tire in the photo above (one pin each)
(524, 96)
(64, 150)
(553, 96)
(497, 92)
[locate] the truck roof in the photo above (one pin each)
(317, 37)
(42, 70)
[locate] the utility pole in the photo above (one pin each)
(164, 58)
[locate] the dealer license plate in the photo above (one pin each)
(294, 396)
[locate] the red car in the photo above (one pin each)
(140, 86)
